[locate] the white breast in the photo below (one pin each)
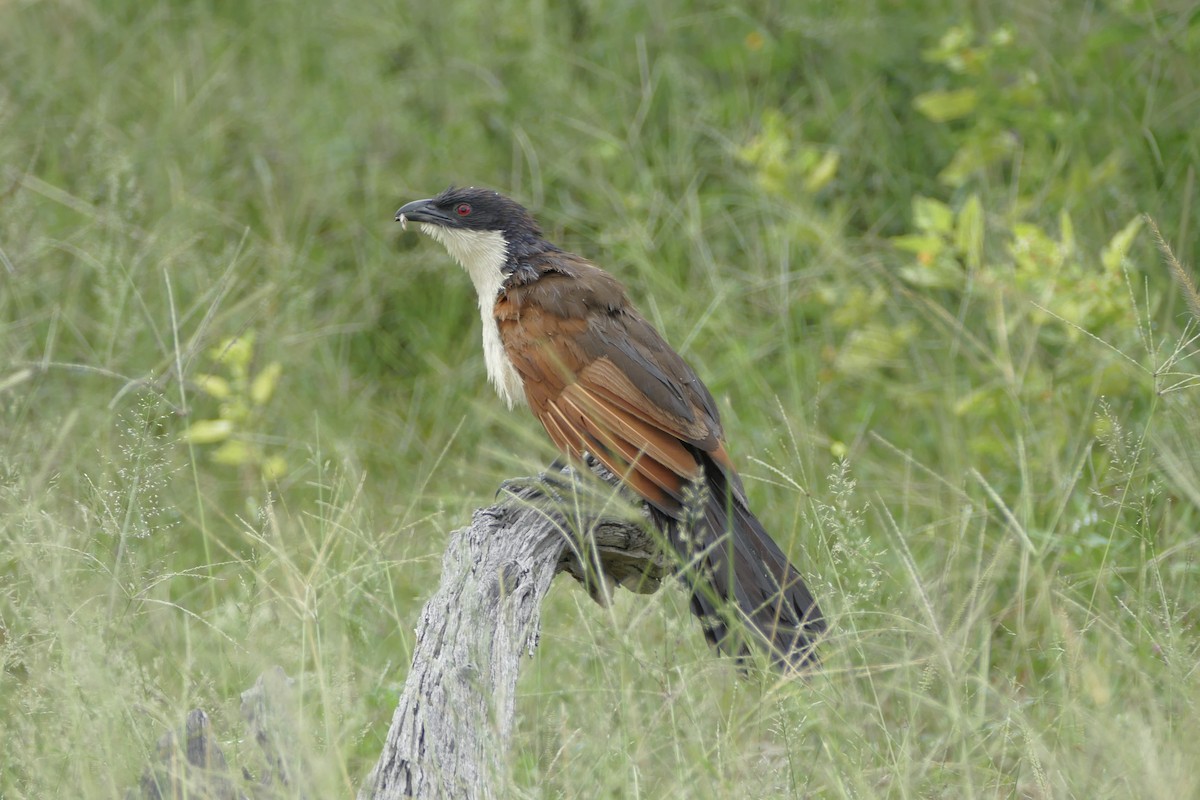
(482, 254)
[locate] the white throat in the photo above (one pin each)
(482, 254)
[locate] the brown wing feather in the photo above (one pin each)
(588, 404)
(621, 426)
(605, 379)
(652, 462)
(650, 479)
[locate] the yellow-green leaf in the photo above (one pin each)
(274, 468)
(925, 245)
(946, 105)
(234, 411)
(213, 385)
(234, 351)
(1118, 247)
(233, 453)
(265, 382)
(208, 431)
(823, 172)
(932, 216)
(1066, 232)
(941, 273)
(969, 232)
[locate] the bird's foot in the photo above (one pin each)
(553, 484)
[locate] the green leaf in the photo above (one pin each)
(925, 246)
(233, 453)
(234, 351)
(941, 273)
(1066, 232)
(950, 47)
(213, 385)
(208, 431)
(947, 105)
(1118, 246)
(932, 216)
(274, 468)
(235, 410)
(969, 232)
(823, 172)
(264, 383)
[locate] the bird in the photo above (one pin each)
(561, 336)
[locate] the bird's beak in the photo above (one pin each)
(420, 211)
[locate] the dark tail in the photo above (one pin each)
(743, 586)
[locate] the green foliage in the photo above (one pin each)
(902, 243)
(1001, 100)
(243, 399)
(947, 245)
(783, 167)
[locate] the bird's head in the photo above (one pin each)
(473, 224)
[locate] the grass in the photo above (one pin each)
(988, 472)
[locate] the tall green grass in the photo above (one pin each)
(990, 476)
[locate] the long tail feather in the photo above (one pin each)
(743, 586)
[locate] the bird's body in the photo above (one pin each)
(560, 334)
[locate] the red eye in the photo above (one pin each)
(462, 209)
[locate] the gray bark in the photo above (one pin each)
(450, 732)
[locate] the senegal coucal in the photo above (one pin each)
(560, 334)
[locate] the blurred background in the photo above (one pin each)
(911, 247)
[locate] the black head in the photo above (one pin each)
(472, 209)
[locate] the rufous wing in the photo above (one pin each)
(614, 402)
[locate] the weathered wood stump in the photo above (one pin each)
(449, 735)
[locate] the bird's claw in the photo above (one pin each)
(552, 484)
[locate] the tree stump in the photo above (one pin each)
(449, 735)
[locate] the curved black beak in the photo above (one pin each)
(421, 211)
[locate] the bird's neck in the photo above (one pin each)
(492, 262)
(524, 264)
(482, 254)
(492, 259)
